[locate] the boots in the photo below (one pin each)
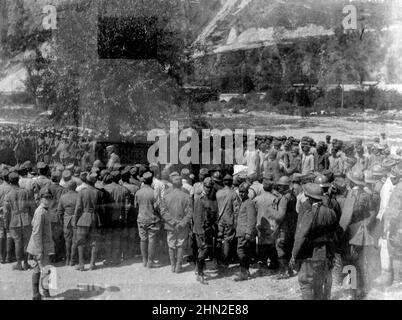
(201, 279)
(81, 262)
(35, 286)
(243, 275)
(283, 270)
(2, 250)
(172, 256)
(92, 265)
(144, 252)
(73, 254)
(151, 255)
(9, 251)
(68, 253)
(179, 262)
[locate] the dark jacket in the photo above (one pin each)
(226, 213)
(205, 215)
(247, 219)
(146, 203)
(176, 209)
(119, 204)
(315, 234)
(88, 208)
(66, 207)
(18, 208)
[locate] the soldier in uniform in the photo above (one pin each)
(355, 220)
(314, 245)
(226, 220)
(18, 212)
(57, 221)
(6, 241)
(204, 218)
(130, 244)
(266, 206)
(42, 181)
(148, 220)
(65, 210)
(245, 231)
(41, 244)
(177, 213)
(117, 209)
(285, 226)
(87, 211)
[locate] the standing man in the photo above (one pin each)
(6, 241)
(285, 226)
(245, 231)
(205, 216)
(307, 162)
(226, 220)
(118, 208)
(65, 210)
(41, 244)
(18, 210)
(88, 209)
(177, 212)
(313, 246)
(148, 220)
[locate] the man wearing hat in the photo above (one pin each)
(26, 182)
(245, 231)
(255, 188)
(18, 212)
(149, 224)
(226, 220)
(336, 165)
(41, 244)
(285, 221)
(176, 212)
(313, 245)
(218, 182)
(199, 186)
(294, 165)
(357, 214)
(205, 215)
(65, 210)
(6, 241)
(187, 187)
(265, 205)
(112, 157)
(117, 210)
(87, 220)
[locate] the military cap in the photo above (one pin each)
(110, 148)
(252, 176)
(42, 165)
(204, 171)
(173, 174)
(56, 174)
(177, 179)
(217, 176)
(147, 175)
(66, 175)
(283, 181)
(70, 167)
(98, 164)
(185, 173)
(227, 177)
(71, 185)
(13, 177)
(208, 182)
(46, 193)
(115, 174)
(91, 178)
(356, 176)
(27, 165)
(313, 190)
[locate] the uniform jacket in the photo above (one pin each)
(89, 208)
(336, 165)
(146, 203)
(56, 191)
(66, 207)
(41, 241)
(205, 214)
(285, 215)
(132, 213)
(18, 208)
(176, 209)
(265, 205)
(294, 165)
(118, 202)
(4, 189)
(273, 167)
(226, 213)
(315, 233)
(247, 219)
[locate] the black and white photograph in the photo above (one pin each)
(221, 151)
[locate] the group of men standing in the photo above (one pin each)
(278, 215)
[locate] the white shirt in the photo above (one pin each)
(385, 194)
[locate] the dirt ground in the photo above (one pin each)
(134, 282)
